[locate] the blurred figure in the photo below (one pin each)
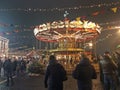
(1, 68)
(55, 75)
(8, 71)
(0, 64)
(118, 63)
(100, 58)
(84, 73)
(23, 66)
(109, 72)
(14, 65)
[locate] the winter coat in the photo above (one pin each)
(84, 73)
(54, 76)
(8, 67)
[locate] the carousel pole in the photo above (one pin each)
(66, 41)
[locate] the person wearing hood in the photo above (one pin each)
(84, 73)
(55, 75)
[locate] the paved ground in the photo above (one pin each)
(36, 83)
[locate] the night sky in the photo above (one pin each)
(17, 25)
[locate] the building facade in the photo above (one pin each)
(4, 46)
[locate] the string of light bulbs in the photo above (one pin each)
(60, 9)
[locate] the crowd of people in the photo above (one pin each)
(10, 67)
(56, 74)
(84, 72)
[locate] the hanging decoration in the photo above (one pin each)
(31, 28)
(61, 9)
(24, 28)
(114, 9)
(95, 13)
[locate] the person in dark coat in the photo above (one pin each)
(23, 66)
(14, 65)
(84, 73)
(8, 71)
(55, 75)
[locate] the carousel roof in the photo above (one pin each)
(80, 30)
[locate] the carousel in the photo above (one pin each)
(70, 38)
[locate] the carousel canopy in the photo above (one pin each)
(80, 30)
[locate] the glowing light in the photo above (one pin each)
(119, 31)
(64, 29)
(90, 44)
